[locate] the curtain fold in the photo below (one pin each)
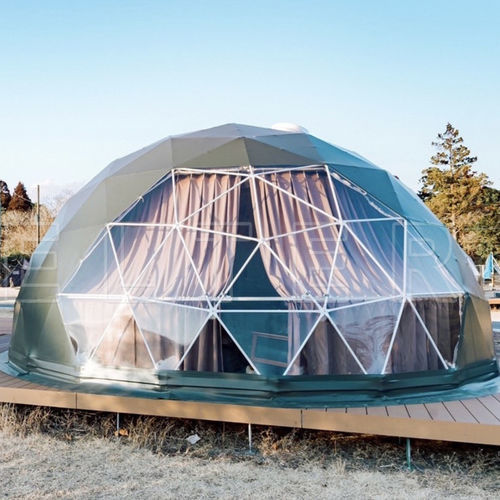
(306, 252)
(214, 351)
(176, 246)
(412, 349)
(308, 256)
(173, 264)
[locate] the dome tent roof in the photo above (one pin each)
(110, 194)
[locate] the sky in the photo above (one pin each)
(85, 82)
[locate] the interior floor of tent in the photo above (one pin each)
(474, 420)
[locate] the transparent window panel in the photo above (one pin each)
(357, 274)
(384, 240)
(170, 274)
(368, 329)
(439, 239)
(269, 339)
(215, 351)
(442, 317)
(136, 246)
(213, 257)
(308, 256)
(123, 345)
(209, 201)
(282, 277)
(98, 273)
(355, 203)
(174, 326)
(425, 275)
(292, 201)
(248, 277)
(155, 207)
(412, 351)
(86, 322)
(325, 353)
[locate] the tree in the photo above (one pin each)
(459, 196)
(20, 199)
(486, 230)
(5, 196)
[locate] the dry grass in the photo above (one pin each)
(19, 230)
(49, 453)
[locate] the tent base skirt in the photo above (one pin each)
(478, 379)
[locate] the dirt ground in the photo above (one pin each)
(49, 453)
(45, 467)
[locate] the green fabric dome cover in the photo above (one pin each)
(254, 266)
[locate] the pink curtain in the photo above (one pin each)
(307, 254)
(171, 274)
(309, 257)
(157, 262)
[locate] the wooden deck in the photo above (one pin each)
(475, 420)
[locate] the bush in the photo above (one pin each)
(19, 231)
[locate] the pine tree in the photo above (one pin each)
(4, 195)
(487, 229)
(20, 199)
(458, 195)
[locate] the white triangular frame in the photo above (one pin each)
(253, 175)
(309, 335)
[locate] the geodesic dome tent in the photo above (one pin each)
(249, 264)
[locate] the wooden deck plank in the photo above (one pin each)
(459, 412)
(18, 382)
(35, 397)
(429, 421)
(418, 411)
(372, 420)
(439, 412)
(398, 411)
(24, 384)
(357, 410)
(4, 377)
(336, 410)
(285, 417)
(403, 427)
(479, 411)
(10, 382)
(492, 404)
(380, 411)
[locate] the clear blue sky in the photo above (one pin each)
(83, 82)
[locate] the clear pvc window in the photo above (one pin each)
(267, 271)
